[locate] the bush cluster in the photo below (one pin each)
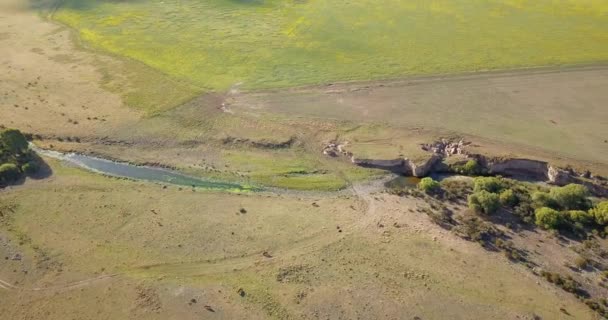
(16, 159)
(429, 185)
(484, 202)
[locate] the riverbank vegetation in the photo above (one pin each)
(16, 158)
(493, 211)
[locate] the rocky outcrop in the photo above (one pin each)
(335, 149)
(559, 176)
(445, 147)
(422, 169)
(518, 168)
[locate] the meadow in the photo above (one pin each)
(218, 44)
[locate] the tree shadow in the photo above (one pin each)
(44, 171)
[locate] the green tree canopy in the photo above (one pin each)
(13, 141)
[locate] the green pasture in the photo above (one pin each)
(217, 44)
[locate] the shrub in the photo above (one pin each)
(471, 168)
(13, 141)
(579, 216)
(600, 213)
(570, 197)
(456, 189)
(542, 199)
(489, 184)
(474, 229)
(581, 262)
(548, 218)
(9, 172)
(484, 202)
(428, 185)
(508, 198)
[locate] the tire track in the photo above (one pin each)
(72, 285)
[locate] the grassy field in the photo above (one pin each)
(216, 44)
(167, 246)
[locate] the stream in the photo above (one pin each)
(126, 170)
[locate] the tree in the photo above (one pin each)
(508, 198)
(9, 173)
(600, 213)
(484, 202)
(548, 218)
(490, 184)
(543, 199)
(571, 197)
(13, 141)
(428, 185)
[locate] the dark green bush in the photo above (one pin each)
(570, 197)
(470, 168)
(508, 198)
(600, 213)
(548, 218)
(484, 202)
(9, 172)
(429, 185)
(13, 141)
(543, 199)
(489, 184)
(579, 216)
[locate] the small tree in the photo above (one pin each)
(429, 185)
(490, 184)
(484, 202)
(548, 218)
(13, 141)
(508, 198)
(571, 197)
(9, 173)
(600, 213)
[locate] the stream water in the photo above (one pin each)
(126, 170)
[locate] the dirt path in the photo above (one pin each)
(72, 285)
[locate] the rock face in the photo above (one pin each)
(530, 169)
(401, 166)
(396, 165)
(423, 169)
(511, 167)
(559, 176)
